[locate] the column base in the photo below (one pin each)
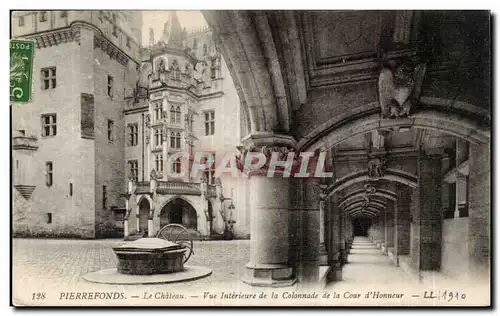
(269, 275)
(323, 255)
(343, 256)
(335, 273)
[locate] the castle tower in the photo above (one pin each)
(173, 34)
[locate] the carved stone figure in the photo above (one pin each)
(205, 74)
(148, 120)
(282, 151)
(175, 65)
(369, 190)
(376, 167)
(189, 70)
(161, 65)
(204, 178)
(399, 89)
(153, 175)
(146, 69)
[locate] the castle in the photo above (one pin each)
(112, 114)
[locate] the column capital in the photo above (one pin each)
(270, 140)
(266, 143)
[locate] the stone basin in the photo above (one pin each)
(147, 256)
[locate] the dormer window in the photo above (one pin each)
(43, 16)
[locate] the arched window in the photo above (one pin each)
(178, 115)
(158, 111)
(175, 140)
(158, 137)
(178, 165)
(172, 140)
(172, 114)
(178, 140)
(175, 114)
(176, 72)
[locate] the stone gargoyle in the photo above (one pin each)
(399, 89)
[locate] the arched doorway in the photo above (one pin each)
(144, 209)
(361, 225)
(179, 211)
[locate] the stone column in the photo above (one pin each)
(151, 226)
(308, 272)
(402, 221)
(137, 229)
(479, 212)
(323, 256)
(430, 216)
(342, 243)
(269, 244)
(269, 263)
(383, 218)
(381, 230)
(445, 187)
(461, 193)
(349, 234)
(335, 273)
(204, 225)
(389, 226)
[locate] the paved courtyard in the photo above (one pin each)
(56, 269)
(55, 266)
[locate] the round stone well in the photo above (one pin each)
(149, 260)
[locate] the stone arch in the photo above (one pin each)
(147, 197)
(455, 121)
(362, 176)
(359, 211)
(144, 213)
(379, 203)
(373, 206)
(361, 193)
(178, 210)
(210, 215)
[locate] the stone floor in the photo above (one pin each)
(370, 271)
(56, 267)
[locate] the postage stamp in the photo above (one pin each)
(316, 158)
(21, 70)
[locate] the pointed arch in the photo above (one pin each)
(395, 175)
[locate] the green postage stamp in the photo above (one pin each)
(21, 70)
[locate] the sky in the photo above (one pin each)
(156, 19)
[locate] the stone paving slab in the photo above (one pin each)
(111, 276)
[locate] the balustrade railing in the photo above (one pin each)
(164, 187)
(142, 187)
(211, 190)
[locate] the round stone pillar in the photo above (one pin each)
(269, 239)
(270, 203)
